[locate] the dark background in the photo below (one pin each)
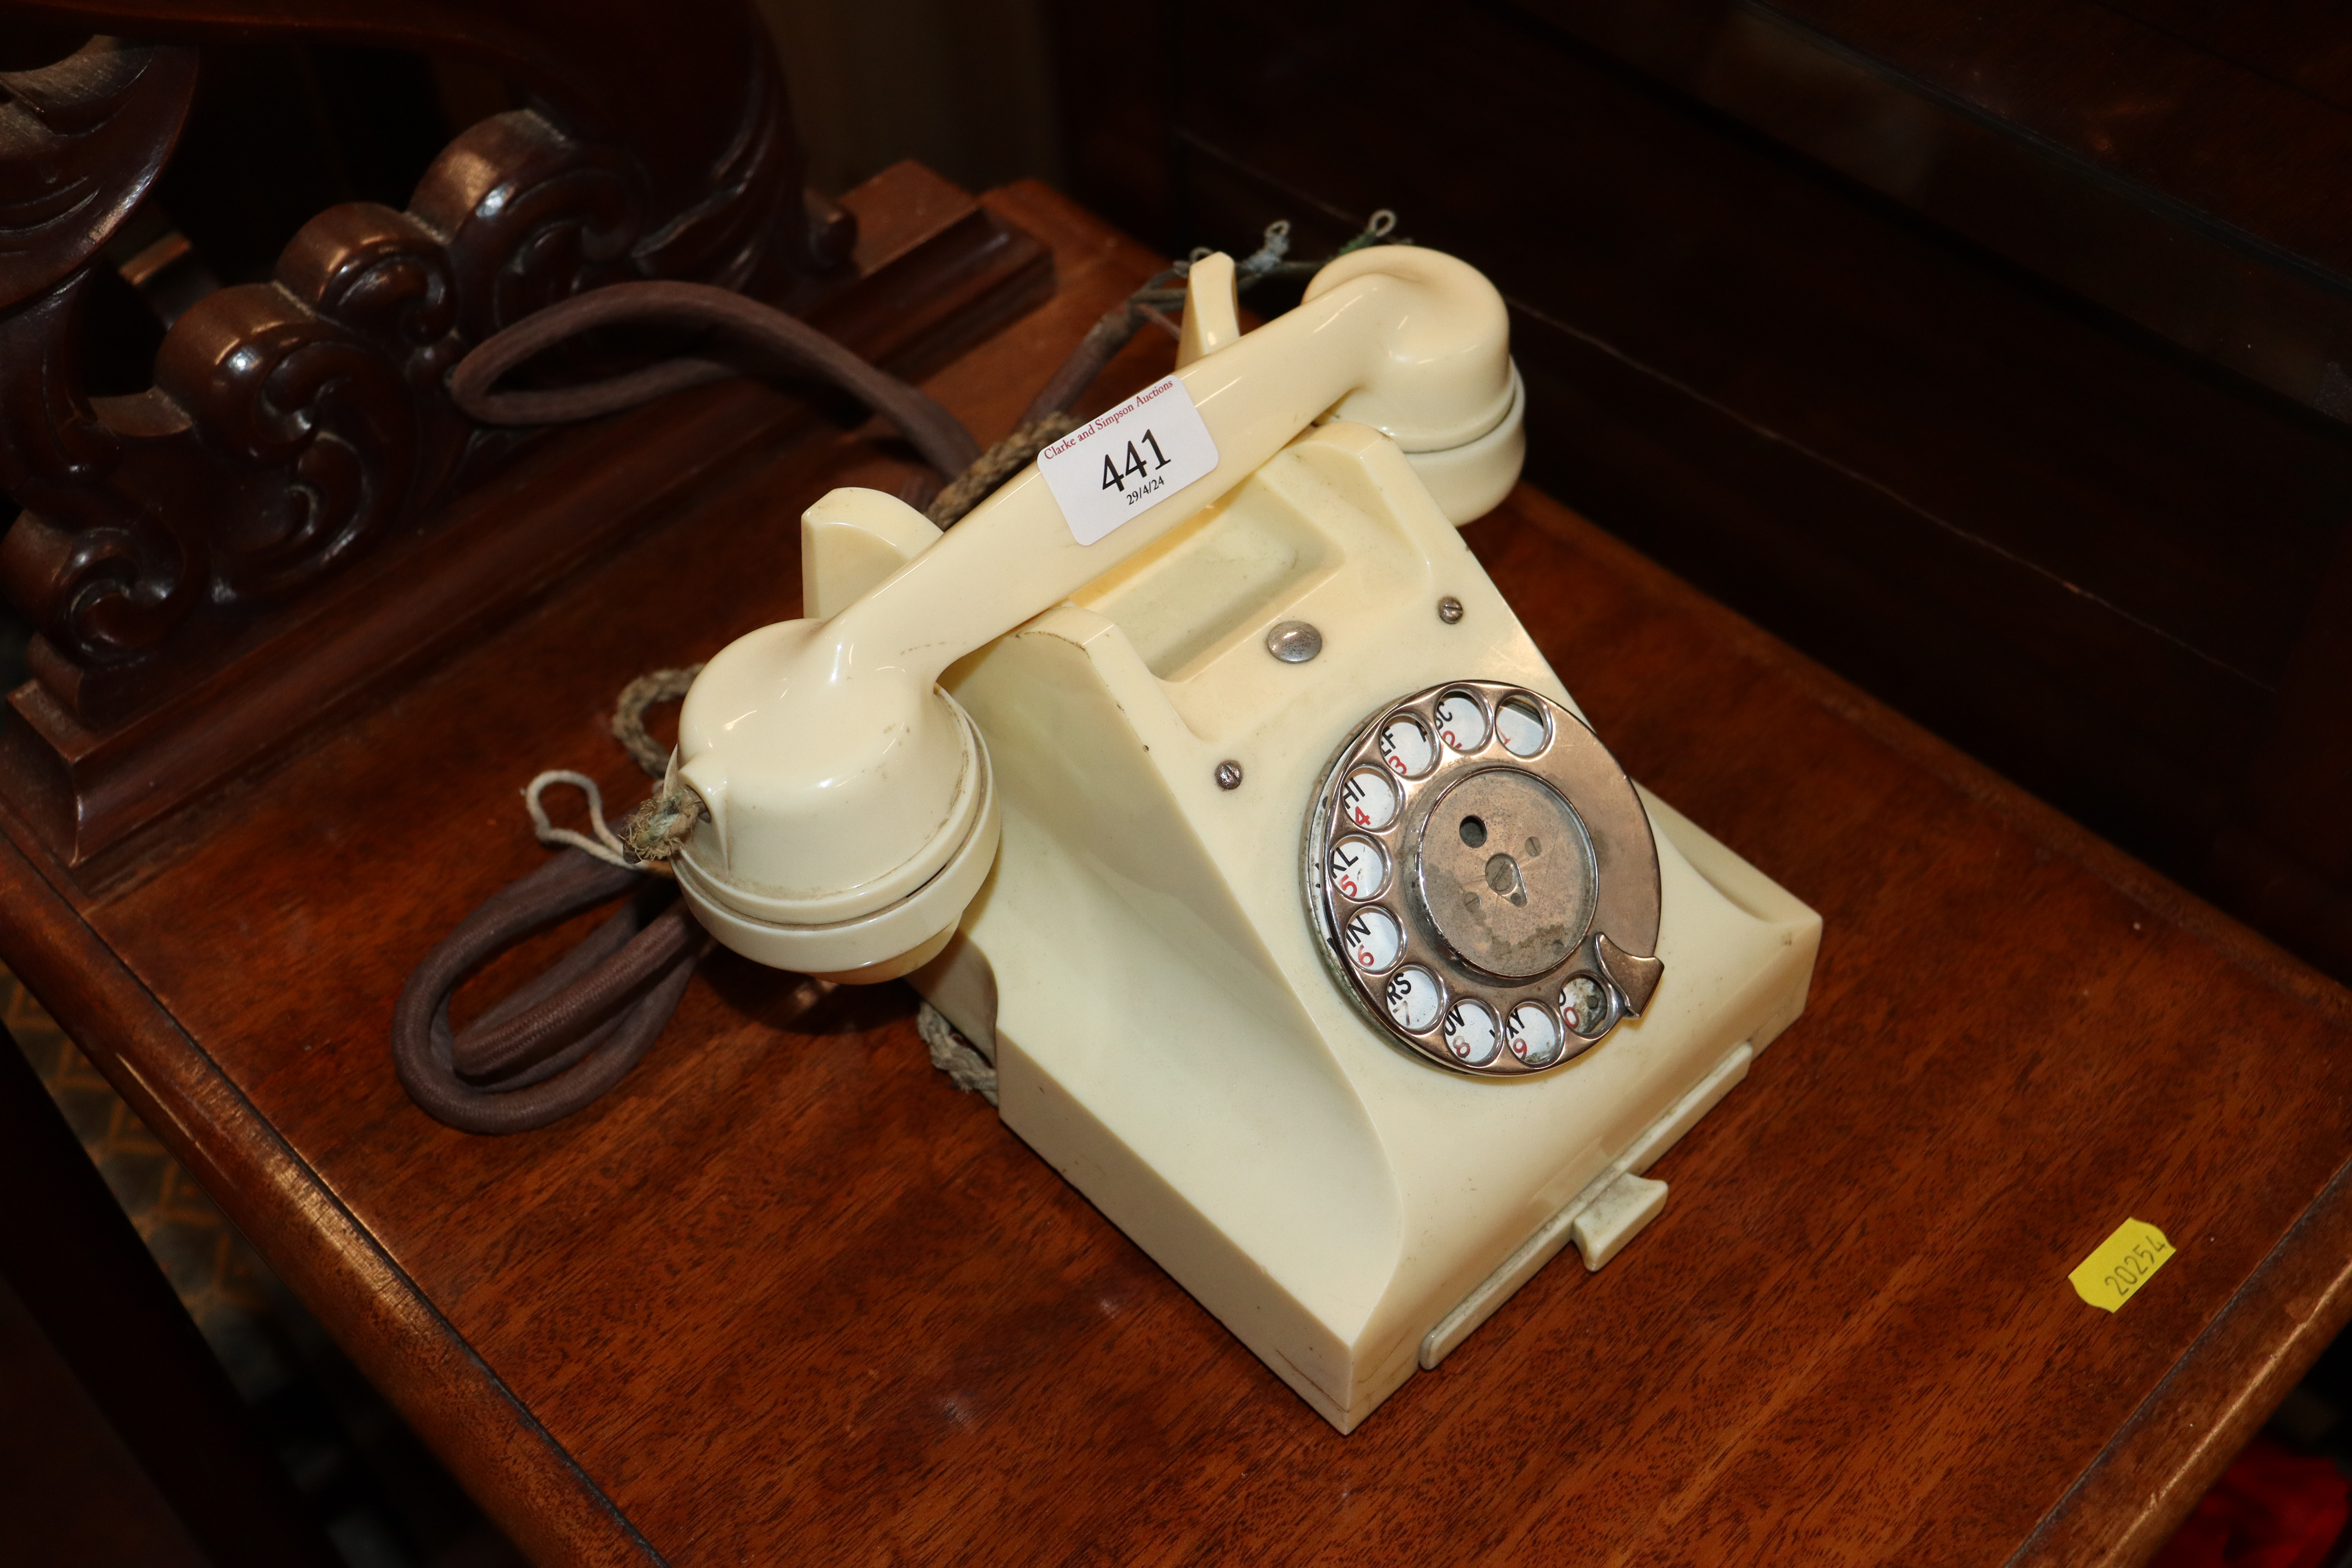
(1887, 372)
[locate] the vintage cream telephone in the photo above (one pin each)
(1203, 780)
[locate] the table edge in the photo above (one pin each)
(484, 1433)
(2128, 1501)
(2127, 1505)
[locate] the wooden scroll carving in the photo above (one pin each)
(294, 426)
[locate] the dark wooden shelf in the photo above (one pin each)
(786, 1294)
(2172, 161)
(1993, 354)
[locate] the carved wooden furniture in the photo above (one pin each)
(1996, 355)
(786, 1294)
(294, 515)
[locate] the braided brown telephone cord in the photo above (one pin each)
(565, 1038)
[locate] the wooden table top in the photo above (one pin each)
(786, 1295)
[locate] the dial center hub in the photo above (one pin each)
(1506, 873)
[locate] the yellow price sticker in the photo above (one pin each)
(2114, 1273)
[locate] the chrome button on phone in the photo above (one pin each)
(1484, 879)
(1294, 642)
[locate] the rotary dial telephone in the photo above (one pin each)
(1202, 779)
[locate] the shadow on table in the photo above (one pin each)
(797, 1004)
(383, 1500)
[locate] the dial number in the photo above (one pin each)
(1531, 1034)
(1374, 939)
(1407, 748)
(1521, 727)
(1359, 870)
(1369, 798)
(1471, 1033)
(1461, 722)
(1583, 1005)
(1414, 998)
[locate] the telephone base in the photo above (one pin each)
(1609, 1211)
(1143, 962)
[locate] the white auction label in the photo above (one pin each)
(1119, 467)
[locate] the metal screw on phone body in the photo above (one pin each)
(1229, 776)
(1449, 610)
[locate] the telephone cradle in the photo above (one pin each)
(1314, 936)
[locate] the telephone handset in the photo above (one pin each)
(1205, 781)
(838, 782)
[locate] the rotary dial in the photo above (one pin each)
(1483, 880)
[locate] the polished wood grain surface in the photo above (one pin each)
(788, 1296)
